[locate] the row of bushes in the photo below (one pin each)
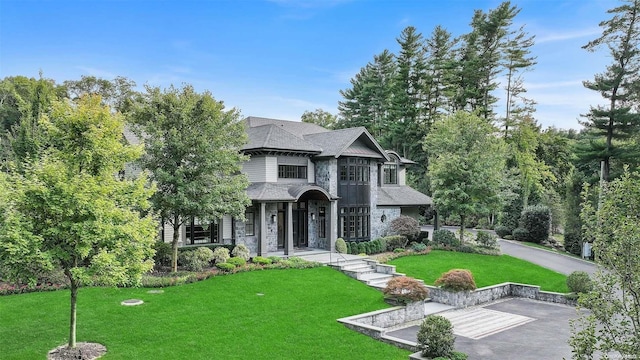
(379, 245)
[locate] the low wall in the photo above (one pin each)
(483, 295)
(376, 323)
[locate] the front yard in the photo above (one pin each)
(224, 317)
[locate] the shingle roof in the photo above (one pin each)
(263, 191)
(297, 128)
(337, 142)
(401, 196)
(274, 137)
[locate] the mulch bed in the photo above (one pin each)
(82, 351)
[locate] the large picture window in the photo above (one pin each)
(202, 232)
(354, 223)
(292, 172)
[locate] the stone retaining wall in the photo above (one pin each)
(491, 293)
(376, 323)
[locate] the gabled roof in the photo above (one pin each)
(402, 159)
(337, 143)
(401, 196)
(274, 137)
(297, 128)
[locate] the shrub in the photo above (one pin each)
(445, 237)
(354, 248)
(486, 239)
(423, 237)
(275, 259)
(502, 231)
(383, 243)
(396, 241)
(468, 236)
(579, 282)
(221, 255)
(237, 261)
(341, 246)
(362, 248)
(261, 260)
(418, 246)
(457, 280)
(398, 250)
(241, 251)
(405, 289)
(347, 245)
(537, 220)
(573, 242)
(224, 266)
(508, 237)
(435, 337)
(405, 226)
(520, 234)
(163, 253)
(197, 259)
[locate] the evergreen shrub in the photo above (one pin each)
(237, 261)
(579, 282)
(573, 241)
(221, 255)
(241, 251)
(362, 248)
(341, 246)
(502, 231)
(537, 220)
(225, 266)
(445, 237)
(354, 248)
(396, 241)
(260, 260)
(162, 257)
(521, 234)
(486, 239)
(435, 337)
(196, 260)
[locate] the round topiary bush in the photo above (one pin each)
(241, 251)
(404, 289)
(457, 280)
(579, 282)
(341, 246)
(520, 234)
(221, 255)
(435, 337)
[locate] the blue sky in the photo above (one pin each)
(278, 58)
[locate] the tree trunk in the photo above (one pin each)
(72, 315)
(174, 244)
(461, 229)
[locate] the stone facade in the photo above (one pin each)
(378, 227)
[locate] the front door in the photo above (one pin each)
(300, 224)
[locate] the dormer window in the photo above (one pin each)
(390, 174)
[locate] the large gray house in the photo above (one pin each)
(310, 186)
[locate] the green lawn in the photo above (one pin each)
(219, 318)
(487, 270)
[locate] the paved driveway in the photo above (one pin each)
(551, 260)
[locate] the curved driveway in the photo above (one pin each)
(546, 258)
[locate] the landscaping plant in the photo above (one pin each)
(196, 260)
(579, 282)
(435, 337)
(405, 290)
(341, 246)
(457, 280)
(405, 226)
(241, 251)
(221, 255)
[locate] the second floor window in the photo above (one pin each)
(390, 174)
(292, 172)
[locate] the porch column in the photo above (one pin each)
(333, 225)
(288, 246)
(262, 241)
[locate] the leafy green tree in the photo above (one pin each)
(192, 151)
(611, 328)
(116, 93)
(70, 210)
(610, 125)
(466, 166)
(319, 117)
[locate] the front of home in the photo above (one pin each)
(310, 186)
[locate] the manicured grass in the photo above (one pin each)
(219, 318)
(487, 270)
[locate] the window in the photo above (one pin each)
(201, 232)
(390, 174)
(322, 222)
(249, 223)
(354, 223)
(292, 172)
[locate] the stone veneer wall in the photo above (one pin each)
(313, 239)
(490, 293)
(327, 175)
(252, 241)
(379, 228)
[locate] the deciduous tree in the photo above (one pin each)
(192, 151)
(70, 210)
(319, 117)
(466, 166)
